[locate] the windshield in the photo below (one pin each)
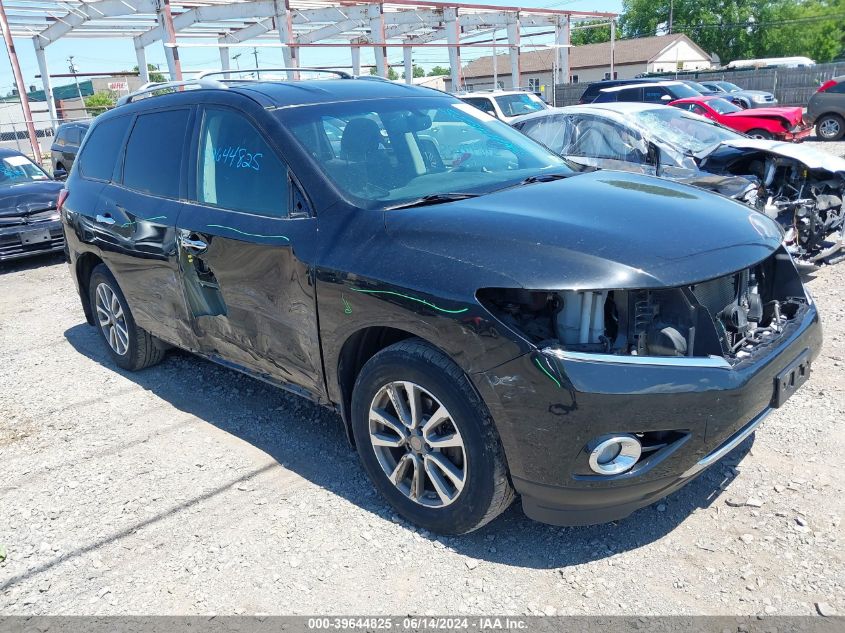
(385, 152)
(722, 106)
(514, 105)
(727, 85)
(688, 132)
(697, 86)
(17, 169)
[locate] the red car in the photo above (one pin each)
(782, 123)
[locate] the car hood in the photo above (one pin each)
(792, 114)
(29, 197)
(812, 158)
(603, 229)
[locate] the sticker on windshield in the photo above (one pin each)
(16, 161)
(473, 111)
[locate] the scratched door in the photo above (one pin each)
(246, 257)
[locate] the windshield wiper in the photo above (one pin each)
(434, 198)
(542, 178)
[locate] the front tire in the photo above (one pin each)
(130, 347)
(427, 441)
(830, 127)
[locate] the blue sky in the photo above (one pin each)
(99, 55)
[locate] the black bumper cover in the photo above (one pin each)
(547, 409)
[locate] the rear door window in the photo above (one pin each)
(654, 94)
(630, 94)
(153, 162)
(555, 132)
(237, 169)
(102, 150)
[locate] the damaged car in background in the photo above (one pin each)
(799, 187)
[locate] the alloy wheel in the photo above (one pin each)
(829, 128)
(112, 319)
(417, 444)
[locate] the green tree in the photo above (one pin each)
(593, 35)
(391, 74)
(439, 70)
(99, 102)
(418, 72)
(155, 76)
(743, 29)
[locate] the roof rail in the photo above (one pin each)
(241, 71)
(153, 87)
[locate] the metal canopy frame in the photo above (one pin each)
(291, 25)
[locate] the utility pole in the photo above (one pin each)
(72, 69)
(671, 12)
(255, 52)
(235, 59)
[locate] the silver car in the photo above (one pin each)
(743, 98)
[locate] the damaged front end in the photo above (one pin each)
(799, 188)
(729, 319)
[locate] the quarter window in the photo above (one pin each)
(103, 148)
(237, 169)
(154, 153)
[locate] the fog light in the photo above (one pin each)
(616, 454)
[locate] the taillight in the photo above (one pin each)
(827, 85)
(62, 197)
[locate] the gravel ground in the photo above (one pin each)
(190, 489)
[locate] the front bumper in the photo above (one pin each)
(25, 240)
(798, 133)
(548, 408)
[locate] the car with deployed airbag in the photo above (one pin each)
(487, 320)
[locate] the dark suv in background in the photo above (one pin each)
(826, 109)
(651, 92)
(65, 147)
(485, 319)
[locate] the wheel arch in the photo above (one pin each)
(85, 264)
(359, 347)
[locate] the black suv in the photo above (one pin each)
(653, 92)
(486, 320)
(65, 146)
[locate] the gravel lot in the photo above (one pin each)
(190, 489)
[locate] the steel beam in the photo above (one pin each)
(141, 56)
(453, 38)
(284, 23)
(41, 57)
(612, 46)
(225, 63)
(83, 12)
(408, 61)
(562, 39)
(253, 30)
(16, 70)
(377, 33)
(356, 58)
(513, 43)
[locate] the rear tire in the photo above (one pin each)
(130, 347)
(830, 127)
(446, 459)
(760, 134)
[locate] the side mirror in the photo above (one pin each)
(492, 113)
(60, 174)
(665, 98)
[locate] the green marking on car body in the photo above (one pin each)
(546, 371)
(417, 299)
(131, 222)
(229, 228)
